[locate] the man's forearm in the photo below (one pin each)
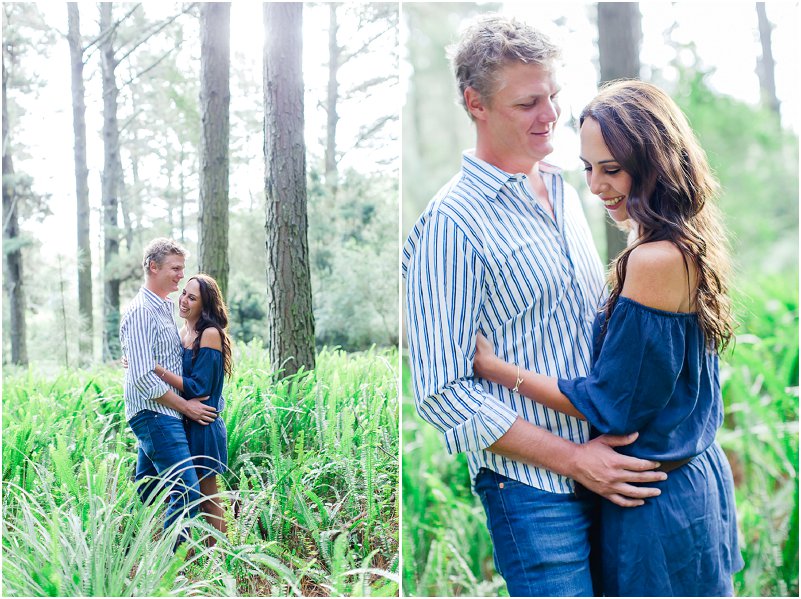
(534, 445)
(172, 400)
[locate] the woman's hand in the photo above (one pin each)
(485, 355)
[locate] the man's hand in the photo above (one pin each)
(124, 361)
(608, 473)
(196, 410)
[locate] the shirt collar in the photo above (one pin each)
(489, 177)
(154, 299)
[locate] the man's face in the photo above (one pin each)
(517, 122)
(167, 276)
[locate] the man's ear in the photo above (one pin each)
(475, 103)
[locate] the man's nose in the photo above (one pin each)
(550, 112)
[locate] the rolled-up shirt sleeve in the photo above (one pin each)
(138, 339)
(444, 279)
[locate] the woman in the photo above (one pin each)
(206, 361)
(656, 345)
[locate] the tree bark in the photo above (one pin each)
(85, 308)
(331, 104)
(290, 320)
(215, 99)
(110, 189)
(619, 37)
(12, 275)
(766, 66)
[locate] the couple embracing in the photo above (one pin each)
(551, 384)
(173, 384)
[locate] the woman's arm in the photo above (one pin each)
(542, 389)
(169, 377)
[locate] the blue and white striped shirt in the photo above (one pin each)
(484, 256)
(148, 336)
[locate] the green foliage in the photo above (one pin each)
(756, 162)
(760, 436)
(311, 494)
(353, 248)
(446, 547)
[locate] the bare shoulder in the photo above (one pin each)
(656, 276)
(211, 338)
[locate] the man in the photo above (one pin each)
(153, 409)
(504, 249)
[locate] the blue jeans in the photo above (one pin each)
(164, 453)
(541, 540)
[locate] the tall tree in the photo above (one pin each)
(290, 320)
(112, 174)
(12, 249)
(619, 38)
(215, 99)
(766, 66)
(85, 334)
(334, 53)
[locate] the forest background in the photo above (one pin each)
(311, 493)
(732, 67)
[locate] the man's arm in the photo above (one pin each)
(137, 338)
(193, 409)
(596, 465)
(443, 290)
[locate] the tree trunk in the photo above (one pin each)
(12, 275)
(331, 104)
(619, 37)
(215, 98)
(290, 320)
(110, 189)
(86, 329)
(766, 66)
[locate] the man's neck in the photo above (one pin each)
(507, 165)
(160, 292)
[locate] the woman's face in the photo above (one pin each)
(190, 305)
(604, 176)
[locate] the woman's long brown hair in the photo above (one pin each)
(214, 314)
(672, 194)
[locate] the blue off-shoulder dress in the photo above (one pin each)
(208, 443)
(652, 373)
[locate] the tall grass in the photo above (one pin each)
(311, 494)
(446, 546)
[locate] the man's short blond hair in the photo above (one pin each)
(158, 249)
(490, 42)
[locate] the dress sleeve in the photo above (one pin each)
(636, 372)
(206, 369)
(443, 299)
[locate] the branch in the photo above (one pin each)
(364, 47)
(369, 132)
(366, 85)
(104, 34)
(159, 29)
(152, 66)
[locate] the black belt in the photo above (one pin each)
(668, 466)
